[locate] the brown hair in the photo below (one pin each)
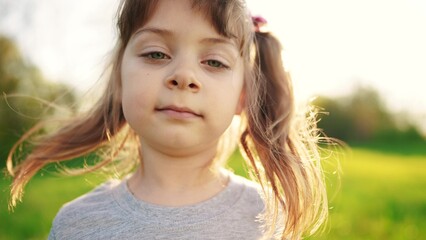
(280, 149)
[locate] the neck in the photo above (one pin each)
(177, 180)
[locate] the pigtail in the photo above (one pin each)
(284, 158)
(78, 137)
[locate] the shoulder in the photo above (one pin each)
(252, 203)
(85, 211)
(100, 196)
(251, 198)
(250, 189)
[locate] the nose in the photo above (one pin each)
(184, 78)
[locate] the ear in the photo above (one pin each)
(241, 103)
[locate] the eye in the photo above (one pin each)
(155, 55)
(215, 64)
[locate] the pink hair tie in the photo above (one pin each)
(259, 23)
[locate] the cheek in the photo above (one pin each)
(237, 90)
(137, 97)
(136, 82)
(137, 105)
(227, 102)
(131, 107)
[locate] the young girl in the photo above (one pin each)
(182, 71)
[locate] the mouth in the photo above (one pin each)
(178, 112)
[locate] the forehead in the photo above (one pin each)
(223, 14)
(173, 17)
(178, 13)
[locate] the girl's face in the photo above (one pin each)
(181, 81)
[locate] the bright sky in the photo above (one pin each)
(330, 45)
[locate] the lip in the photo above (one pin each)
(178, 112)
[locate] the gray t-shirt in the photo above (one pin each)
(112, 212)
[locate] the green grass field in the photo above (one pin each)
(382, 196)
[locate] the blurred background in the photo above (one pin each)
(362, 62)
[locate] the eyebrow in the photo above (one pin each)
(168, 33)
(218, 41)
(154, 30)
